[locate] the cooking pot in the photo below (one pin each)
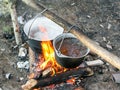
(69, 61)
(41, 29)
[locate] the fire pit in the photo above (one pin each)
(54, 64)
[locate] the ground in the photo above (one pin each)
(100, 21)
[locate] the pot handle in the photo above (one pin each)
(39, 14)
(64, 38)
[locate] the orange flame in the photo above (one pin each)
(47, 59)
(48, 54)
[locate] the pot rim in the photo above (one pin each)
(65, 56)
(33, 29)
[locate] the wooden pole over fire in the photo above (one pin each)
(103, 53)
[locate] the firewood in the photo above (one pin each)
(94, 62)
(62, 77)
(31, 59)
(103, 53)
(29, 84)
(46, 72)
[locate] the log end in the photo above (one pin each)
(29, 84)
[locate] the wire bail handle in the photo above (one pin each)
(39, 14)
(64, 38)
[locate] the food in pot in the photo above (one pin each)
(71, 47)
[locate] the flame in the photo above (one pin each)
(48, 54)
(47, 58)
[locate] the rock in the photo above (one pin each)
(21, 20)
(8, 75)
(101, 26)
(109, 26)
(21, 78)
(23, 65)
(2, 49)
(72, 4)
(22, 53)
(88, 16)
(108, 46)
(104, 39)
(116, 77)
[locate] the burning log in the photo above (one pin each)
(103, 53)
(65, 76)
(62, 77)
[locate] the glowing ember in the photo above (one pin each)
(71, 81)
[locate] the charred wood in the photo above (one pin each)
(59, 78)
(62, 77)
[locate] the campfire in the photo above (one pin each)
(46, 62)
(45, 69)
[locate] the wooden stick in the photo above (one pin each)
(103, 53)
(94, 62)
(106, 55)
(13, 14)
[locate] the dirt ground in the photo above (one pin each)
(101, 22)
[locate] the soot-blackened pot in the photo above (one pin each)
(35, 45)
(68, 61)
(41, 29)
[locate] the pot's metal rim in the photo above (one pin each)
(65, 56)
(37, 28)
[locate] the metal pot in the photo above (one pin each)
(68, 61)
(38, 28)
(35, 45)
